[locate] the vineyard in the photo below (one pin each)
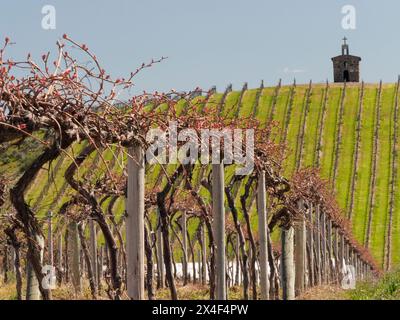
(77, 194)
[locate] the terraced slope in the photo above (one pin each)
(350, 132)
(321, 125)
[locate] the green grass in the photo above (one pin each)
(56, 181)
(396, 213)
(362, 188)
(312, 126)
(264, 106)
(381, 208)
(329, 132)
(248, 100)
(387, 288)
(293, 129)
(231, 104)
(213, 103)
(280, 112)
(347, 146)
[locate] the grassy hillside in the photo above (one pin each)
(348, 132)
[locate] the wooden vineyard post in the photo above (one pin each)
(263, 235)
(5, 264)
(300, 251)
(287, 238)
(74, 254)
(361, 269)
(194, 261)
(228, 276)
(336, 254)
(93, 253)
(60, 258)
(311, 274)
(323, 247)
(100, 266)
(203, 255)
(32, 283)
(50, 250)
(356, 265)
(249, 254)
(50, 240)
(12, 259)
(352, 259)
(199, 266)
(370, 274)
(219, 228)
(135, 224)
(318, 245)
(4, 267)
(66, 259)
(329, 247)
(160, 253)
(342, 263)
(350, 255)
(365, 271)
(185, 254)
(237, 248)
(82, 261)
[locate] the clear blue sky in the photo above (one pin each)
(214, 42)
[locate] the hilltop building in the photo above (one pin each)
(346, 68)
